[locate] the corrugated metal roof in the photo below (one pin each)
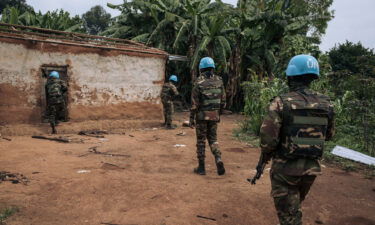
(75, 39)
(178, 58)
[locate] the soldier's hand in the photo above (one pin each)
(191, 123)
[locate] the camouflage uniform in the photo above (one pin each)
(294, 131)
(208, 97)
(168, 92)
(55, 91)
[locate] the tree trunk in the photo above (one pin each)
(191, 51)
(234, 78)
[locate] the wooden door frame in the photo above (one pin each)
(45, 69)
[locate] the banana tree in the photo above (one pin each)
(190, 26)
(56, 20)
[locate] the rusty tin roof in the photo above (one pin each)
(41, 38)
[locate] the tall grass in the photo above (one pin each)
(258, 95)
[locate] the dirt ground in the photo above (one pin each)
(145, 179)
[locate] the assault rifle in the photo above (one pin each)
(263, 160)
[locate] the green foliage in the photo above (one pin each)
(258, 94)
(19, 4)
(7, 212)
(274, 31)
(55, 20)
(257, 36)
(354, 58)
(246, 137)
(96, 20)
(352, 85)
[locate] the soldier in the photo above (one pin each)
(55, 92)
(293, 134)
(208, 98)
(168, 93)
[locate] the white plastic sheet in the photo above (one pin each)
(353, 155)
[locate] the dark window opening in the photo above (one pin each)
(63, 72)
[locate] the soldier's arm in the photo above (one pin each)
(174, 90)
(64, 87)
(223, 98)
(331, 124)
(194, 102)
(271, 126)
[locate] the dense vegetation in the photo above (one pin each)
(348, 78)
(18, 12)
(251, 43)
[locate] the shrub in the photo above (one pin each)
(258, 94)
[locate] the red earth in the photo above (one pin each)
(144, 179)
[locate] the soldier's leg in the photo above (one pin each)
(201, 132)
(212, 138)
(304, 188)
(60, 112)
(168, 114)
(214, 145)
(285, 192)
(171, 112)
(52, 117)
(165, 112)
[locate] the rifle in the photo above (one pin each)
(263, 160)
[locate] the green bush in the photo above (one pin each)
(7, 212)
(258, 94)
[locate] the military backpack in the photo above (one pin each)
(305, 121)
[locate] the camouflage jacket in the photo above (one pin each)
(55, 90)
(207, 98)
(275, 139)
(168, 92)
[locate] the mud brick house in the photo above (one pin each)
(108, 78)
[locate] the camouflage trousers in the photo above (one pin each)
(288, 193)
(206, 130)
(168, 112)
(56, 112)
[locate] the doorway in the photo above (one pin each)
(63, 72)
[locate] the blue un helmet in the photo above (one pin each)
(206, 62)
(301, 65)
(173, 78)
(54, 74)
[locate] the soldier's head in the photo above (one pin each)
(173, 79)
(54, 75)
(207, 66)
(302, 69)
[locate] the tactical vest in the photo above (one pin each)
(166, 93)
(54, 92)
(305, 121)
(210, 99)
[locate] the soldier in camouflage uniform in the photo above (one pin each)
(55, 92)
(168, 93)
(208, 98)
(293, 134)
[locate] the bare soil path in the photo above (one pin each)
(145, 179)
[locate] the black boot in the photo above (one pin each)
(53, 128)
(219, 166)
(200, 169)
(170, 127)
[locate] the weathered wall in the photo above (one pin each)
(101, 86)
